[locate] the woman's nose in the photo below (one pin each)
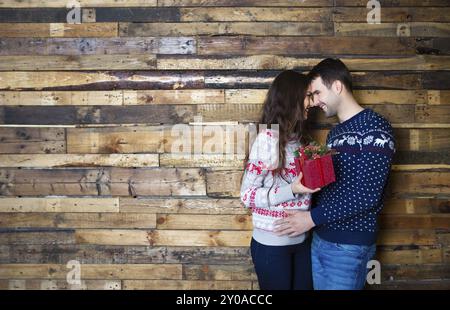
(312, 102)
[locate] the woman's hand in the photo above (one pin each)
(298, 188)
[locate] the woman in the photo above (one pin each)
(270, 185)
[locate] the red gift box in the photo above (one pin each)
(317, 172)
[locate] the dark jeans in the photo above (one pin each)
(283, 267)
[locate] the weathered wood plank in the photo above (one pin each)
(34, 182)
(218, 3)
(200, 221)
(219, 272)
(202, 160)
(246, 45)
(158, 182)
(119, 254)
(190, 238)
(413, 285)
(422, 167)
(414, 29)
(186, 285)
(415, 205)
(118, 97)
(79, 160)
(83, 3)
(437, 81)
(394, 3)
(407, 237)
(282, 3)
(84, 62)
(432, 114)
(140, 139)
(433, 46)
(36, 236)
(438, 97)
(138, 14)
(33, 15)
(182, 96)
(80, 98)
(96, 46)
(88, 271)
(99, 15)
(422, 140)
(124, 182)
(418, 182)
(182, 206)
(251, 14)
(418, 272)
(102, 80)
(434, 221)
(111, 237)
(409, 255)
(223, 183)
(34, 284)
(111, 80)
(65, 182)
(405, 14)
(199, 238)
(57, 204)
(59, 30)
(226, 28)
(282, 62)
(32, 140)
(88, 175)
(77, 220)
(72, 115)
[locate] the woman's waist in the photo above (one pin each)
(278, 211)
(270, 238)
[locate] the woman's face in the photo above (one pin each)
(307, 105)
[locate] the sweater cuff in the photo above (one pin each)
(283, 194)
(318, 217)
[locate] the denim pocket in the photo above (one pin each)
(352, 248)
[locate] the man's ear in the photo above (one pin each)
(337, 87)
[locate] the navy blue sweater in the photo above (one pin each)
(346, 210)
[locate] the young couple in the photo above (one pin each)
(343, 216)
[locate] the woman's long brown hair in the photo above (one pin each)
(284, 105)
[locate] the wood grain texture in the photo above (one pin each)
(92, 117)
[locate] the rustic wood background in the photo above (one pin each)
(86, 171)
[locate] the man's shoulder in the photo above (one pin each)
(375, 122)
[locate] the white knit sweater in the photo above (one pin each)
(268, 206)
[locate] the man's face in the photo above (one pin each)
(323, 97)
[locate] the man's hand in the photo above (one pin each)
(295, 224)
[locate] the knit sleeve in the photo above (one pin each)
(256, 189)
(371, 167)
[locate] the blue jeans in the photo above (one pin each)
(338, 266)
(283, 267)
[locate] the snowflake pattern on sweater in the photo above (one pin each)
(265, 194)
(346, 211)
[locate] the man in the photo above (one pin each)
(345, 212)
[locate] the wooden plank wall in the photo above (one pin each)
(87, 165)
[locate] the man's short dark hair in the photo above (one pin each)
(330, 70)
